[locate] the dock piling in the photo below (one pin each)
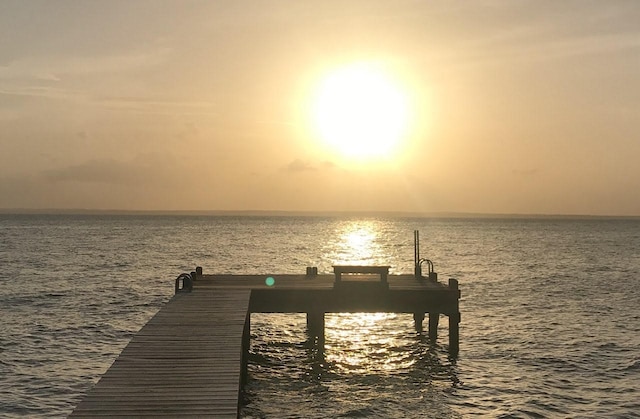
(417, 321)
(315, 326)
(434, 320)
(454, 322)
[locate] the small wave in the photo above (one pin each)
(358, 413)
(608, 345)
(634, 366)
(630, 367)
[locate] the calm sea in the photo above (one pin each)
(550, 312)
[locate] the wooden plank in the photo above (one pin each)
(186, 361)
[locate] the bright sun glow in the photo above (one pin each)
(361, 111)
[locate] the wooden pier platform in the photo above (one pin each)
(190, 359)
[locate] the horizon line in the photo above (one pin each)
(302, 213)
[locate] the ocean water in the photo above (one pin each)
(550, 312)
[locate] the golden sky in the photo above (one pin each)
(527, 107)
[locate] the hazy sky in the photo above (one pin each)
(519, 106)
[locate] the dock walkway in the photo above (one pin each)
(186, 361)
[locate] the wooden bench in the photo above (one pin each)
(383, 271)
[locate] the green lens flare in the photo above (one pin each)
(270, 281)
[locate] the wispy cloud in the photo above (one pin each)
(77, 78)
(49, 92)
(96, 171)
(59, 67)
(166, 107)
(299, 165)
(147, 169)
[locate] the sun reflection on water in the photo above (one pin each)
(355, 242)
(363, 343)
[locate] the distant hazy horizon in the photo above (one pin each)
(310, 213)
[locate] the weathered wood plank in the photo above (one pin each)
(185, 361)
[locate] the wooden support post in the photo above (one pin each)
(315, 326)
(246, 346)
(454, 323)
(454, 334)
(417, 321)
(434, 320)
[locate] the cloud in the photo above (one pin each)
(144, 181)
(47, 92)
(56, 67)
(64, 77)
(299, 165)
(163, 107)
(96, 171)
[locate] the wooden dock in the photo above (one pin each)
(190, 359)
(186, 361)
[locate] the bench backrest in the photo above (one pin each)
(383, 271)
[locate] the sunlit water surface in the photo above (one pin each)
(550, 313)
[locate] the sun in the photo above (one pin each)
(360, 111)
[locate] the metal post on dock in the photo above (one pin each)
(417, 269)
